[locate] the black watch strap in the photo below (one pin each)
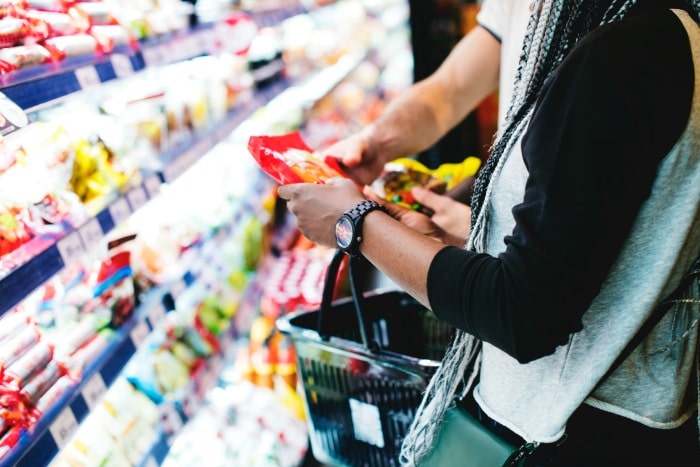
(363, 208)
(357, 215)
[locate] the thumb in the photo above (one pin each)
(394, 209)
(428, 198)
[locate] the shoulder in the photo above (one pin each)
(648, 40)
(500, 16)
(634, 75)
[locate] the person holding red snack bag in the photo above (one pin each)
(584, 226)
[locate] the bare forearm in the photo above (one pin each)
(419, 117)
(401, 253)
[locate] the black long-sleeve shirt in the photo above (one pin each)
(603, 122)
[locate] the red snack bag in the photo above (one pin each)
(288, 159)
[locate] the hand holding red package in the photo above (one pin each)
(288, 159)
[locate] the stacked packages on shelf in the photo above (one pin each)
(206, 253)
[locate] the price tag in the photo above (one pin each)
(177, 288)
(152, 185)
(190, 403)
(122, 65)
(93, 391)
(91, 233)
(139, 334)
(156, 315)
(70, 248)
(63, 427)
(209, 41)
(170, 173)
(87, 77)
(137, 198)
(152, 56)
(170, 419)
(120, 211)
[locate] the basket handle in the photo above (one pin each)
(358, 298)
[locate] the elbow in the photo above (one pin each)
(530, 343)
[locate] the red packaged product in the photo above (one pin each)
(13, 411)
(13, 31)
(14, 348)
(62, 24)
(288, 159)
(24, 367)
(9, 440)
(40, 382)
(73, 45)
(22, 56)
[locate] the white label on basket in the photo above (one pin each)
(366, 423)
(380, 330)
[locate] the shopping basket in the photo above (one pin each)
(364, 362)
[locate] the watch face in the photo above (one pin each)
(343, 232)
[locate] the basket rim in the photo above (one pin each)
(312, 337)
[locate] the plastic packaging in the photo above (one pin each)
(288, 159)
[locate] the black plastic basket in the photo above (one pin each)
(364, 362)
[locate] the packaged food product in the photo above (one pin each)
(18, 373)
(17, 227)
(397, 181)
(288, 159)
(23, 56)
(400, 176)
(13, 31)
(73, 45)
(41, 381)
(13, 348)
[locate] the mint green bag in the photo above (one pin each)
(464, 442)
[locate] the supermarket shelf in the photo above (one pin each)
(29, 273)
(273, 17)
(39, 85)
(21, 275)
(55, 427)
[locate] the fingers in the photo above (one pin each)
(428, 198)
(285, 192)
(394, 209)
(348, 152)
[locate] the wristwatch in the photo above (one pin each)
(348, 227)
